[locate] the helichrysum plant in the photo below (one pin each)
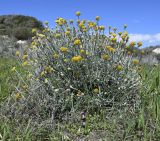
(78, 65)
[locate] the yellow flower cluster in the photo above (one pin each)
(119, 67)
(25, 63)
(67, 33)
(132, 44)
(55, 55)
(57, 35)
(13, 69)
(101, 28)
(34, 30)
(125, 36)
(25, 57)
(82, 51)
(61, 21)
(142, 52)
(78, 13)
(17, 53)
(96, 90)
(64, 49)
(76, 58)
(25, 87)
(80, 93)
(97, 18)
(18, 96)
(47, 70)
(139, 44)
(41, 35)
(91, 24)
(135, 61)
(105, 57)
(77, 42)
(110, 49)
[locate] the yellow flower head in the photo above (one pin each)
(42, 73)
(135, 61)
(25, 57)
(49, 69)
(105, 57)
(18, 96)
(119, 33)
(76, 58)
(96, 28)
(110, 49)
(64, 49)
(65, 60)
(115, 29)
(25, 63)
(71, 21)
(46, 80)
(114, 35)
(101, 28)
(97, 18)
(96, 90)
(55, 55)
(91, 24)
(82, 51)
(142, 52)
(33, 43)
(124, 37)
(129, 52)
(77, 42)
(80, 93)
(60, 21)
(57, 35)
(78, 21)
(17, 53)
(119, 67)
(139, 44)
(114, 39)
(81, 24)
(41, 35)
(67, 33)
(34, 30)
(30, 75)
(78, 13)
(13, 69)
(132, 44)
(25, 87)
(84, 29)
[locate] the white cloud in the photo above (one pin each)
(148, 38)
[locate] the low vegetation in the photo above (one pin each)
(76, 83)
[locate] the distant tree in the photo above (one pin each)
(19, 26)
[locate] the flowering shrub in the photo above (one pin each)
(76, 67)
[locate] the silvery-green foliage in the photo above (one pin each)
(59, 85)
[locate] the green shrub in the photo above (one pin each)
(22, 33)
(75, 68)
(19, 26)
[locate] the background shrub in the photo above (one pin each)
(22, 33)
(19, 26)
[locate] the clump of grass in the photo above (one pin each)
(7, 79)
(74, 68)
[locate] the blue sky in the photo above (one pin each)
(141, 16)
